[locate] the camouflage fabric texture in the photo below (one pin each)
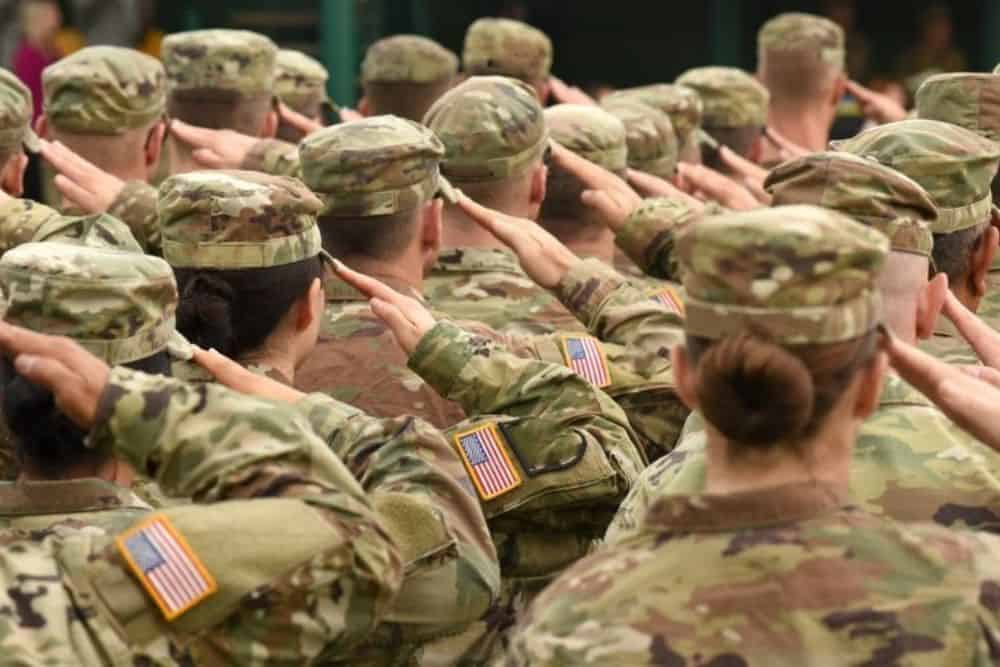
(408, 59)
(591, 133)
(799, 35)
(104, 90)
(20, 220)
(135, 205)
(969, 100)
(649, 236)
(731, 97)
(118, 305)
(797, 274)
(492, 128)
(237, 61)
(237, 220)
(15, 114)
(300, 81)
(649, 136)
(352, 180)
(865, 190)
(326, 587)
(785, 576)
(95, 231)
(683, 105)
(508, 48)
(58, 504)
(954, 165)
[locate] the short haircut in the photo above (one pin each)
(221, 109)
(952, 251)
(797, 81)
(563, 212)
(378, 237)
(738, 139)
(112, 153)
(406, 100)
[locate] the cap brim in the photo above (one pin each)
(31, 141)
(447, 191)
(179, 348)
(706, 139)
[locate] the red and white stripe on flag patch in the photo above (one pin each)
(165, 565)
(670, 299)
(585, 356)
(486, 457)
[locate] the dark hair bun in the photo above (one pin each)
(205, 312)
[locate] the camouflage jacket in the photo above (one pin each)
(782, 577)
(37, 505)
(650, 246)
(74, 595)
(948, 345)
(273, 156)
(135, 205)
(911, 463)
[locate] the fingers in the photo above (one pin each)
(719, 187)
(404, 331)
(649, 185)
(741, 165)
(500, 225)
(348, 115)
(65, 161)
(75, 398)
(222, 368)
(208, 158)
(78, 196)
(859, 91)
(569, 94)
(609, 210)
(370, 287)
(592, 175)
(983, 339)
(196, 137)
(988, 375)
(299, 121)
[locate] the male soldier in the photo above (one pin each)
(911, 462)
(107, 104)
(969, 100)
(403, 75)
(681, 104)
(15, 133)
(956, 167)
(735, 111)
(300, 84)
(509, 48)
(800, 60)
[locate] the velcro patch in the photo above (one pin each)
(669, 299)
(487, 458)
(585, 356)
(165, 565)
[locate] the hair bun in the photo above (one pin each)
(205, 312)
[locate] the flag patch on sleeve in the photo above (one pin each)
(165, 565)
(484, 452)
(585, 357)
(669, 299)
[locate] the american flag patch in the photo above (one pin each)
(669, 298)
(484, 452)
(585, 357)
(165, 566)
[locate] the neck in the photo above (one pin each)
(277, 354)
(808, 128)
(460, 231)
(600, 246)
(407, 271)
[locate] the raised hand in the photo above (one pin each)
(300, 122)
(230, 374)
(875, 106)
(566, 94)
(718, 187)
(214, 149)
(981, 336)
(81, 182)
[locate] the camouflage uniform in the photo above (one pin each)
(649, 236)
(507, 48)
(972, 101)
(20, 220)
(731, 97)
(682, 104)
(15, 115)
(956, 167)
(785, 575)
(649, 135)
(300, 83)
(408, 59)
(107, 91)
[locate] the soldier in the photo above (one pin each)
(681, 104)
(956, 167)
(403, 75)
(300, 84)
(509, 48)
(800, 60)
(107, 104)
(787, 573)
(735, 111)
(79, 594)
(16, 134)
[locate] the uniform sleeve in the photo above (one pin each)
(422, 495)
(135, 205)
(273, 156)
(318, 589)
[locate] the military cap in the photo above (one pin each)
(16, 108)
(118, 305)
(793, 274)
(300, 81)
(508, 48)
(238, 61)
(730, 96)
(967, 99)
(408, 59)
(955, 166)
(99, 230)
(865, 190)
(800, 35)
(649, 136)
(491, 127)
(104, 90)
(20, 220)
(590, 132)
(682, 104)
(237, 220)
(652, 222)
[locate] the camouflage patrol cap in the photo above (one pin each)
(300, 81)
(792, 274)
(649, 135)
(96, 231)
(237, 220)
(865, 190)
(967, 99)
(20, 220)
(118, 305)
(801, 35)
(508, 48)
(408, 59)
(590, 132)
(16, 107)
(682, 104)
(237, 61)
(492, 127)
(954, 165)
(375, 166)
(731, 97)
(655, 220)
(104, 90)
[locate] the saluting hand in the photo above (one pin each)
(81, 182)
(214, 149)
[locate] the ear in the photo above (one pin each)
(870, 386)
(684, 377)
(271, 122)
(364, 108)
(539, 185)
(929, 305)
(430, 231)
(309, 307)
(12, 175)
(756, 153)
(154, 143)
(982, 261)
(42, 127)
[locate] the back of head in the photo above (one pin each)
(781, 312)
(507, 48)
(245, 246)
(799, 58)
(15, 117)
(222, 79)
(300, 83)
(403, 75)
(735, 106)
(650, 136)
(680, 103)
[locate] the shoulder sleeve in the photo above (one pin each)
(135, 205)
(273, 156)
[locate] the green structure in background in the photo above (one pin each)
(340, 48)
(726, 32)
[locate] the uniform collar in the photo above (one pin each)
(471, 259)
(24, 498)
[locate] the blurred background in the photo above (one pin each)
(598, 43)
